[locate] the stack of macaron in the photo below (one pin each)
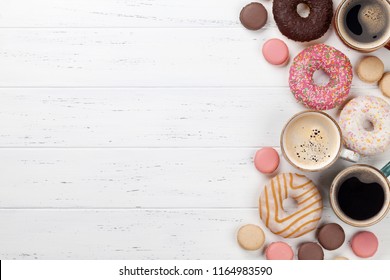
(330, 237)
(253, 17)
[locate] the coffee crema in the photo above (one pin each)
(365, 23)
(311, 141)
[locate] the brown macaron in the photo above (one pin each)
(331, 236)
(253, 16)
(310, 251)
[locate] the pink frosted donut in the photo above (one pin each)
(365, 124)
(332, 62)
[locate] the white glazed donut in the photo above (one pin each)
(309, 205)
(359, 112)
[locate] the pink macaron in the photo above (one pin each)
(279, 251)
(275, 51)
(266, 160)
(364, 244)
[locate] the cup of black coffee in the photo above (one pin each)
(364, 25)
(360, 194)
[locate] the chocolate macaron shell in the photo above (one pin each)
(310, 251)
(253, 16)
(331, 236)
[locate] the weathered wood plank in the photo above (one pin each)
(140, 178)
(147, 117)
(145, 234)
(139, 57)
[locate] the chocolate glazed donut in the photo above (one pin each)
(298, 28)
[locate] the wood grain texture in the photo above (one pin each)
(138, 57)
(148, 117)
(141, 178)
(122, 13)
(128, 127)
(145, 234)
(138, 117)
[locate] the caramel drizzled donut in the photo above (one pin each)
(309, 205)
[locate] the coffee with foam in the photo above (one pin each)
(311, 140)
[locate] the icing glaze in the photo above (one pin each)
(309, 205)
(362, 111)
(334, 63)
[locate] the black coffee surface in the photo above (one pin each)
(360, 201)
(366, 20)
(352, 20)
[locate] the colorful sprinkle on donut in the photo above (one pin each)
(331, 61)
(365, 124)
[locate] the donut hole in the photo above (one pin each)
(303, 10)
(320, 78)
(368, 125)
(290, 205)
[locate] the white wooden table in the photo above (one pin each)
(127, 129)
